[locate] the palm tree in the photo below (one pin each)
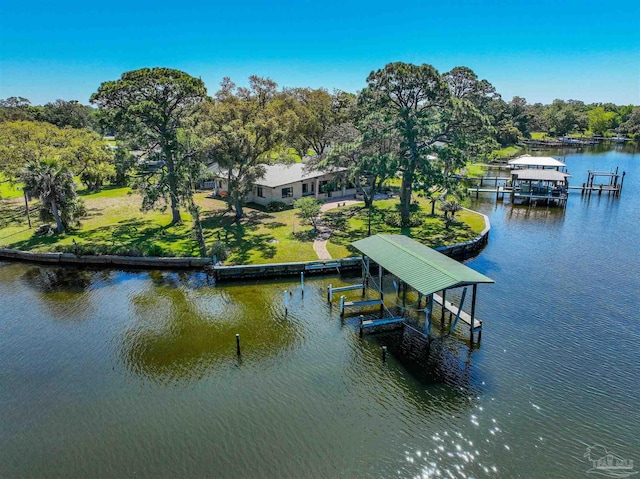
(53, 183)
(450, 207)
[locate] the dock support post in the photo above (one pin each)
(238, 344)
(474, 291)
(302, 282)
(444, 309)
(384, 354)
(380, 271)
(286, 301)
(329, 293)
(364, 275)
(367, 272)
(342, 305)
(429, 315)
(404, 294)
(361, 326)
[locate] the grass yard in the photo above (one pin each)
(506, 153)
(114, 224)
(8, 190)
(475, 170)
(351, 224)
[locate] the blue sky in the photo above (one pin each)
(585, 50)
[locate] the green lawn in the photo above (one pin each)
(506, 153)
(475, 170)
(540, 135)
(115, 224)
(8, 190)
(351, 224)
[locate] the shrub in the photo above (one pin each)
(274, 206)
(395, 219)
(219, 250)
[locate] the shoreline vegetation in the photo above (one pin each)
(158, 133)
(115, 225)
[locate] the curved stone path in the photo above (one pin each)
(324, 232)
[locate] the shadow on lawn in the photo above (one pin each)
(351, 224)
(240, 237)
(127, 237)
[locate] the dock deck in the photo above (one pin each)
(359, 304)
(464, 316)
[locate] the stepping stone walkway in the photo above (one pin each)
(323, 231)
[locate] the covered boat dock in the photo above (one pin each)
(533, 185)
(423, 269)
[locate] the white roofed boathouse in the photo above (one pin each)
(539, 180)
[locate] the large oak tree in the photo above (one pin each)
(242, 129)
(150, 106)
(431, 118)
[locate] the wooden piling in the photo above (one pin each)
(380, 270)
(384, 354)
(238, 344)
(474, 292)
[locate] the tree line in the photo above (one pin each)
(410, 121)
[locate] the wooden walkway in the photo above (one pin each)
(464, 316)
(370, 323)
(361, 304)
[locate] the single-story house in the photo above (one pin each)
(285, 183)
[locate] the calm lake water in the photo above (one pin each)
(119, 374)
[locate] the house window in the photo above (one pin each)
(305, 189)
(259, 192)
(287, 192)
(324, 186)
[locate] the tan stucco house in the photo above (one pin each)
(285, 183)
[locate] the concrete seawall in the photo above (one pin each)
(458, 251)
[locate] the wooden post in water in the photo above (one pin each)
(238, 344)
(302, 282)
(329, 293)
(361, 325)
(404, 294)
(286, 302)
(429, 314)
(444, 310)
(342, 305)
(380, 290)
(384, 354)
(473, 310)
(364, 276)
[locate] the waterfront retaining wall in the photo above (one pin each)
(459, 251)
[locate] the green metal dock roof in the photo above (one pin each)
(421, 267)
